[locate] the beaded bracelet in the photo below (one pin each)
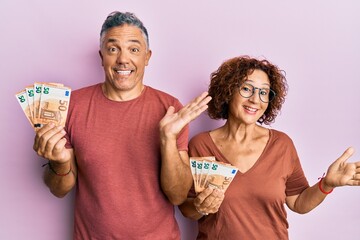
(56, 173)
(321, 189)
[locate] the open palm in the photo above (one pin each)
(173, 122)
(341, 173)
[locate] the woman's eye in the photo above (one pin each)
(264, 92)
(246, 89)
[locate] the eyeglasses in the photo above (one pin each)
(266, 95)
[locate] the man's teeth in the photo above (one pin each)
(124, 72)
(250, 109)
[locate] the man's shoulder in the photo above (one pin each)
(85, 91)
(160, 93)
(162, 97)
(89, 88)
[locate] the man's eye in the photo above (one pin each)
(135, 50)
(112, 49)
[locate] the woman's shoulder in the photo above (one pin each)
(277, 135)
(200, 137)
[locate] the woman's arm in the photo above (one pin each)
(340, 173)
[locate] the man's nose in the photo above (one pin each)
(123, 57)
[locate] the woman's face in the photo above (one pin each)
(247, 107)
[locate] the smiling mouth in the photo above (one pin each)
(123, 72)
(250, 109)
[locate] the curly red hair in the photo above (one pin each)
(225, 82)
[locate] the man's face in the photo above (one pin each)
(124, 56)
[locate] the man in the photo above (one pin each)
(112, 150)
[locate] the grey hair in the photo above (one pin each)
(117, 19)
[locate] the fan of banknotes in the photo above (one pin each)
(206, 171)
(43, 103)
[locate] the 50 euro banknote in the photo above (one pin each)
(207, 172)
(43, 103)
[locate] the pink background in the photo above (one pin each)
(315, 42)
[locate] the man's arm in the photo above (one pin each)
(60, 177)
(60, 172)
(176, 177)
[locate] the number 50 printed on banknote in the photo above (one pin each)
(43, 103)
(206, 171)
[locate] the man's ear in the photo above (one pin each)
(148, 56)
(101, 56)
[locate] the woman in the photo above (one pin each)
(248, 93)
